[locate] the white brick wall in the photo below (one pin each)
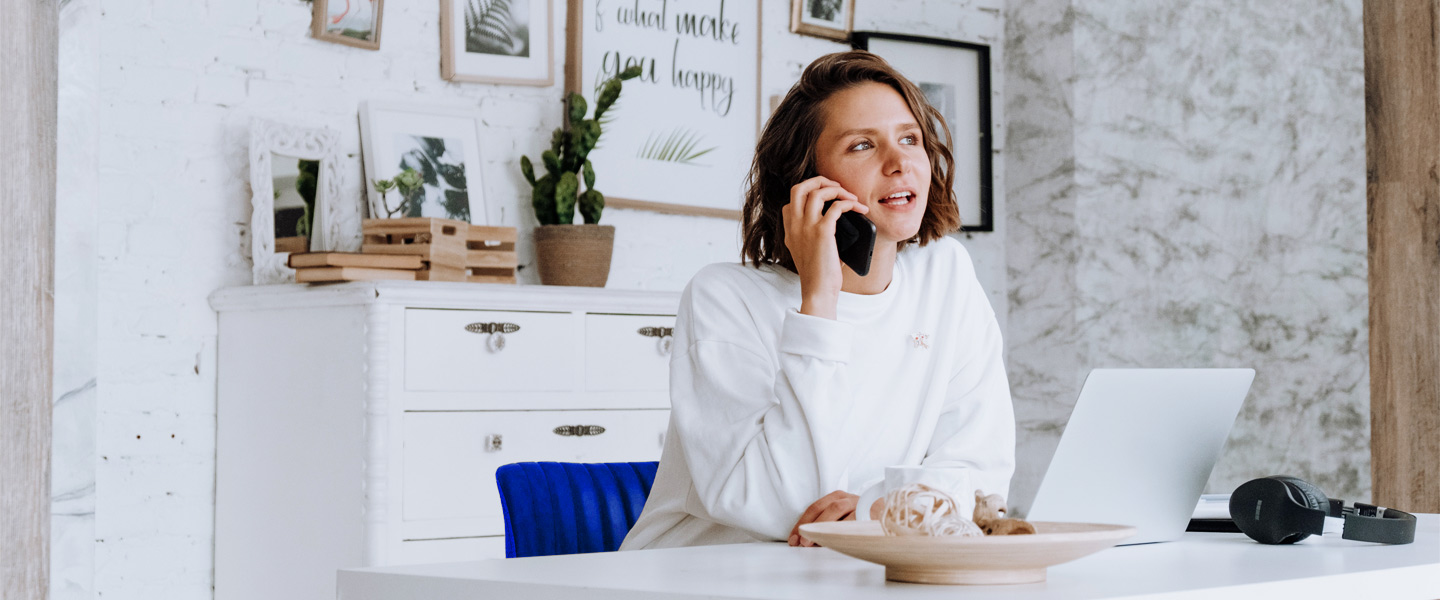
(174, 83)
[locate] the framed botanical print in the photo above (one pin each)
(497, 41)
(350, 22)
(955, 77)
(440, 143)
(831, 19)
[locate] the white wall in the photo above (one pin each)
(72, 518)
(154, 207)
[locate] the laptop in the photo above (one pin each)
(1139, 448)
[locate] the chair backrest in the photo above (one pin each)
(571, 508)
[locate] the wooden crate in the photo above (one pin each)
(438, 242)
(490, 255)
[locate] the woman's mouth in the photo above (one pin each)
(898, 199)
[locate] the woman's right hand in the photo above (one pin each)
(810, 238)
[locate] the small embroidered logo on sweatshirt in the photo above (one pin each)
(920, 339)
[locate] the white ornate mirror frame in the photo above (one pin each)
(268, 138)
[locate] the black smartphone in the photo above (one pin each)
(855, 238)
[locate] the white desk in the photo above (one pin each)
(1200, 565)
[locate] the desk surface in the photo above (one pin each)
(1200, 565)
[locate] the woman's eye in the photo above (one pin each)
(913, 139)
(861, 146)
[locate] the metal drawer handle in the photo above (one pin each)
(579, 430)
(664, 333)
(496, 331)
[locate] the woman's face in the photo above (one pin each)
(871, 145)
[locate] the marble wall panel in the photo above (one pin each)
(1042, 356)
(1219, 220)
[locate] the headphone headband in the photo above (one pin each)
(1370, 523)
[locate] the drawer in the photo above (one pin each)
(441, 354)
(450, 459)
(625, 352)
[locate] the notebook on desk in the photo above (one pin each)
(1139, 448)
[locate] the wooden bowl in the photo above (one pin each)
(997, 559)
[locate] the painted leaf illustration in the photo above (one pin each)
(457, 205)
(446, 179)
(680, 145)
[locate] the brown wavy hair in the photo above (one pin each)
(785, 154)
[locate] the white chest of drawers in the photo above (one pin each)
(361, 424)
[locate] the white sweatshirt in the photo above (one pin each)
(772, 409)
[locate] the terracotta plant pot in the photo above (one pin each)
(574, 254)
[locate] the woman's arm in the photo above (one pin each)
(758, 440)
(976, 428)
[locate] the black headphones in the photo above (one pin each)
(1284, 510)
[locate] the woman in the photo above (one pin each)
(795, 381)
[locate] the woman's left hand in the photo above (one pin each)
(834, 506)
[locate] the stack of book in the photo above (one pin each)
(322, 267)
(411, 248)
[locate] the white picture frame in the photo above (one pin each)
(391, 133)
(269, 138)
(497, 41)
(671, 147)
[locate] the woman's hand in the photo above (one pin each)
(810, 237)
(834, 506)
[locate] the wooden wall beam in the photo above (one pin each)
(29, 64)
(1402, 126)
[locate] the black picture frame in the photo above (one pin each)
(862, 40)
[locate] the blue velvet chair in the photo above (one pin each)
(571, 508)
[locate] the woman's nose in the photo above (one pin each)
(895, 160)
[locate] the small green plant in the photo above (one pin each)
(305, 185)
(557, 194)
(408, 183)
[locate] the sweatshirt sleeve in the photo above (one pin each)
(757, 440)
(976, 427)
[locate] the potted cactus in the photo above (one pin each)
(570, 254)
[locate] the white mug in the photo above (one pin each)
(954, 481)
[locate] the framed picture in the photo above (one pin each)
(681, 137)
(496, 41)
(295, 196)
(831, 19)
(955, 77)
(350, 22)
(440, 143)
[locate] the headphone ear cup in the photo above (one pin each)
(1255, 505)
(1306, 493)
(1312, 495)
(1271, 510)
